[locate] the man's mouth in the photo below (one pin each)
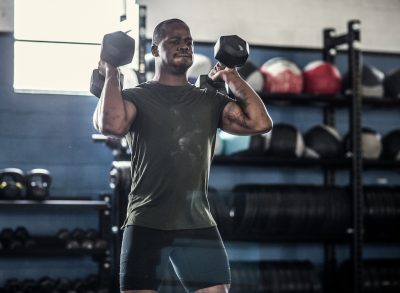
(183, 55)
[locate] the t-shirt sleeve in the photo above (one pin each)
(132, 96)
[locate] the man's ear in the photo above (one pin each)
(154, 50)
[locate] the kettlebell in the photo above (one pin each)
(12, 183)
(38, 182)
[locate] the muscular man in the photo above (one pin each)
(170, 126)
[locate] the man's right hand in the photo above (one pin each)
(106, 69)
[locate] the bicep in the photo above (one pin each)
(131, 113)
(234, 120)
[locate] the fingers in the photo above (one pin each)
(105, 68)
(219, 66)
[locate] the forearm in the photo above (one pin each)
(110, 112)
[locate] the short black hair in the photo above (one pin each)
(160, 29)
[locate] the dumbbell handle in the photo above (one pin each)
(97, 82)
(204, 81)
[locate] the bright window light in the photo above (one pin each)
(57, 42)
(54, 67)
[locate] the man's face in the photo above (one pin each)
(176, 48)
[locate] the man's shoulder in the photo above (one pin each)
(140, 89)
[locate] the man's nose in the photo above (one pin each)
(183, 46)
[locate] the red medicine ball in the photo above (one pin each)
(321, 78)
(282, 76)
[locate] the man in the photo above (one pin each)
(171, 126)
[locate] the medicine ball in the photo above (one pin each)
(391, 145)
(252, 74)
(325, 141)
(321, 78)
(149, 61)
(371, 144)
(284, 141)
(371, 82)
(12, 183)
(201, 65)
(38, 183)
(392, 84)
(282, 76)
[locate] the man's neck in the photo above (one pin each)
(172, 80)
(168, 78)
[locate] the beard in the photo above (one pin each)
(180, 69)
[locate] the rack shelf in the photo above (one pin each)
(96, 204)
(338, 101)
(259, 161)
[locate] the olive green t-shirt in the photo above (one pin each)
(172, 141)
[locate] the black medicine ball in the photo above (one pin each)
(324, 141)
(284, 141)
(371, 82)
(392, 84)
(391, 145)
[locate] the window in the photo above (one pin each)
(57, 42)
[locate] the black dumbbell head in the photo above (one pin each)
(117, 48)
(97, 82)
(231, 51)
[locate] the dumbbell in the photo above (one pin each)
(92, 240)
(230, 51)
(70, 239)
(21, 234)
(29, 286)
(38, 182)
(12, 285)
(87, 285)
(63, 285)
(117, 49)
(89, 239)
(12, 183)
(6, 237)
(75, 239)
(15, 239)
(46, 284)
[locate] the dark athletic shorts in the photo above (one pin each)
(198, 257)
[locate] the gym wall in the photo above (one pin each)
(293, 23)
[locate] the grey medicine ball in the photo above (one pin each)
(371, 143)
